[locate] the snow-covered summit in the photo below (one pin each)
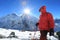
(23, 22)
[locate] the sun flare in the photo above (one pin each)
(27, 11)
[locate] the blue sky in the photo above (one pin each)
(17, 6)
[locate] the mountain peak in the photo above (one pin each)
(12, 15)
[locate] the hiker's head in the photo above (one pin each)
(42, 9)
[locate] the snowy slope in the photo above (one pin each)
(22, 35)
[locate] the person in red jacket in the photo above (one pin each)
(45, 23)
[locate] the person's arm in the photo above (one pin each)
(51, 21)
(51, 24)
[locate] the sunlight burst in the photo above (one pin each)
(27, 11)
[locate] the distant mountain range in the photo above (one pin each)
(23, 22)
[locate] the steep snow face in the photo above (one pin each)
(10, 21)
(23, 22)
(29, 22)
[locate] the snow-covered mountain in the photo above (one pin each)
(29, 22)
(23, 22)
(57, 24)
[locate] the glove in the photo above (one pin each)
(37, 24)
(51, 33)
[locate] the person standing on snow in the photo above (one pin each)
(45, 23)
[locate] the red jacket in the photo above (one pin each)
(46, 21)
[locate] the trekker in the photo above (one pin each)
(45, 23)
